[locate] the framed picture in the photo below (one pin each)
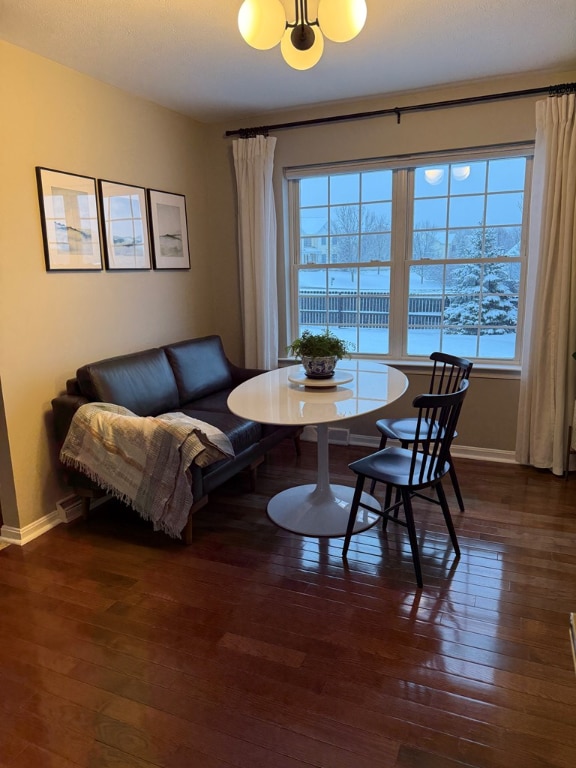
(169, 230)
(69, 216)
(125, 225)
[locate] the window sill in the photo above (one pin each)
(480, 370)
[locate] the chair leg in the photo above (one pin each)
(412, 535)
(448, 518)
(383, 441)
(387, 503)
(353, 512)
(456, 485)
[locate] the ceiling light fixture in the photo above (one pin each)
(264, 23)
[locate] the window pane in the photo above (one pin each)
(345, 188)
(376, 217)
(507, 174)
(509, 240)
(375, 247)
(428, 244)
(464, 243)
(431, 181)
(430, 213)
(344, 219)
(314, 191)
(466, 211)
(425, 303)
(374, 310)
(504, 209)
(312, 298)
(376, 185)
(498, 347)
(482, 300)
(423, 341)
(313, 221)
(344, 249)
(467, 178)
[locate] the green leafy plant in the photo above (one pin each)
(324, 344)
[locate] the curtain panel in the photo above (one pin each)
(548, 382)
(254, 165)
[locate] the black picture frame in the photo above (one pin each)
(70, 221)
(169, 230)
(125, 226)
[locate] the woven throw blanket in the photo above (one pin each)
(143, 460)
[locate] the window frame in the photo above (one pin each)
(403, 168)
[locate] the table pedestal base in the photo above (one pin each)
(315, 511)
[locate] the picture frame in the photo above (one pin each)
(169, 229)
(125, 227)
(70, 221)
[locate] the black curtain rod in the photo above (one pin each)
(551, 90)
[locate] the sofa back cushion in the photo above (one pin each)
(143, 382)
(200, 367)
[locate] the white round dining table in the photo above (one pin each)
(285, 396)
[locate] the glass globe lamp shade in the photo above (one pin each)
(262, 23)
(434, 175)
(460, 172)
(341, 20)
(298, 59)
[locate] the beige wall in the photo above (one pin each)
(50, 323)
(489, 419)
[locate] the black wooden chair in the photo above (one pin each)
(411, 471)
(447, 373)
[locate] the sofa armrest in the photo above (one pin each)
(243, 374)
(64, 407)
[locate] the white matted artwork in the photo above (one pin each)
(125, 225)
(69, 218)
(169, 230)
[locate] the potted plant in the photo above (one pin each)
(319, 352)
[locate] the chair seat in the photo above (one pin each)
(400, 429)
(392, 465)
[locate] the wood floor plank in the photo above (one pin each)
(257, 648)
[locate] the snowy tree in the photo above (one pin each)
(481, 293)
(345, 226)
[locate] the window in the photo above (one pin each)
(402, 260)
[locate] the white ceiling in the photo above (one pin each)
(188, 54)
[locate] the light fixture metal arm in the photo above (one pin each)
(301, 16)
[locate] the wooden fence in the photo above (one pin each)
(365, 310)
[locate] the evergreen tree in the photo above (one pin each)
(480, 292)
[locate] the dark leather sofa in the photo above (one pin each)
(193, 377)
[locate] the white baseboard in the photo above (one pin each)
(30, 532)
(67, 509)
(372, 442)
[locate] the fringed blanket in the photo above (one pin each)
(143, 460)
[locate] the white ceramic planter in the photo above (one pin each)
(319, 367)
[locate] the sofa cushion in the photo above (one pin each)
(143, 382)
(242, 433)
(218, 401)
(200, 367)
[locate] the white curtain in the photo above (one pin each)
(254, 164)
(548, 383)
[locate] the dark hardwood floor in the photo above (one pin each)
(255, 648)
